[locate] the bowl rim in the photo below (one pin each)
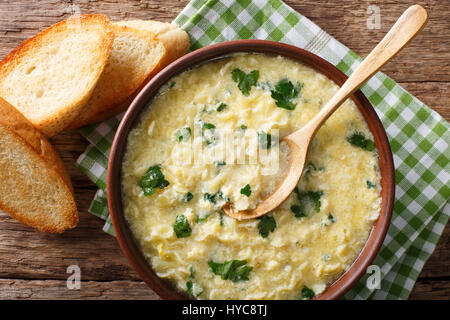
(164, 288)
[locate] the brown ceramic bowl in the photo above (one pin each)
(124, 235)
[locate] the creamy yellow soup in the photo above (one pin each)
(179, 170)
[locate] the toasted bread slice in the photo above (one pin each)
(134, 56)
(176, 43)
(35, 187)
(50, 77)
(175, 40)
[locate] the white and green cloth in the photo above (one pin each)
(419, 137)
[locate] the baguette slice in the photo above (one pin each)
(175, 39)
(35, 187)
(50, 77)
(135, 56)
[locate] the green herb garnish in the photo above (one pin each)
(152, 179)
(188, 197)
(183, 134)
(233, 270)
(266, 225)
(307, 293)
(220, 195)
(221, 217)
(172, 84)
(266, 140)
(181, 227)
(190, 285)
(220, 163)
(190, 289)
(213, 197)
(245, 81)
(314, 196)
(221, 106)
(202, 219)
(298, 211)
(246, 191)
(210, 197)
(207, 125)
(211, 137)
(331, 218)
(359, 140)
(370, 185)
(285, 93)
(243, 127)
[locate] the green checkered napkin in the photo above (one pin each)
(419, 137)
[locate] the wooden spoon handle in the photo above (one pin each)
(403, 31)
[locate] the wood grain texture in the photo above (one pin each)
(89, 290)
(33, 265)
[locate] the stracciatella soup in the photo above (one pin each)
(173, 197)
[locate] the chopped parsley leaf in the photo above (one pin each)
(191, 287)
(246, 191)
(210, 137)
(309, 167)
(152, 179)
(209, 126)
(181, 227)
(370, 185)
(243, 127)
(298, 211)
(307, 293)
(183, 134)
(285, 93)
(245, 80)
(220, 163)
(213, 197)
(172, 84)
(234, 270)
(221, 217)
(331, 218)
(314, 196)
(221, 106)
(188, 197)
(359, 140)
(222, 196)
(202, 219)
(266, 140)
(266, 225)
(209, 197)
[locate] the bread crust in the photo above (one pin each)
(55, 123)
(173, 37)
(174, 40)
(95, 107)
(37, 143)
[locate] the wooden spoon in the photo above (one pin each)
(403, 31)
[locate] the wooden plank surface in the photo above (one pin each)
(33, 265)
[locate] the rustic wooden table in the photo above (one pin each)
(33, 265)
